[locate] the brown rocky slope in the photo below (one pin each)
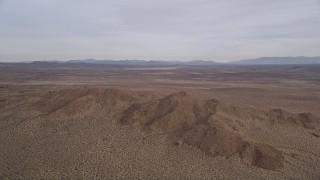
(216, 128)
(212, 126)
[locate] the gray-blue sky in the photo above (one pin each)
(220, 30)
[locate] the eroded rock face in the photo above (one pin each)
(267, 157)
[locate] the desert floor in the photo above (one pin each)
(93, 121)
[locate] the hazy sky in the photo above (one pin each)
(219, 30)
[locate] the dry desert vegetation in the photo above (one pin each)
(82, 121)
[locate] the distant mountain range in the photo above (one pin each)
(279, 61)
(132, 62)
(259, 61)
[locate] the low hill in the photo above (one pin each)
(75, 117)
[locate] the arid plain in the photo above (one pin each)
(71, 121)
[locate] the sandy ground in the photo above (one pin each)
(44, 136)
